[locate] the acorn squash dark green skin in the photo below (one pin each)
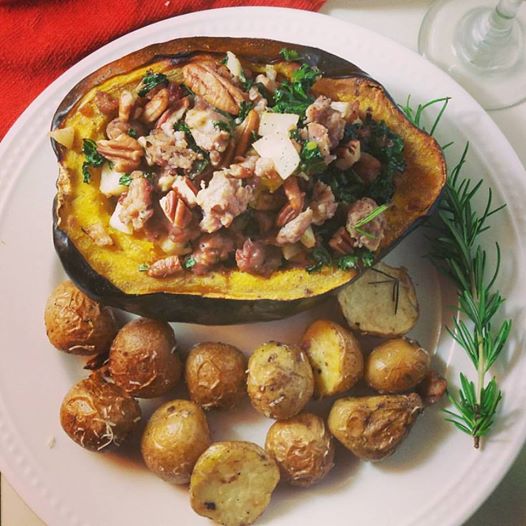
(192, 308)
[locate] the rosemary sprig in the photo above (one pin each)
(395, 296)
(367, 219)
(458, 254)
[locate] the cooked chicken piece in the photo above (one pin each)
(186, 190)
(244, 169)
(173, 115)
(170, 151)
(323, 203)
(368, 168)
(292, 231)
(257, 258)
(369, 235)
(204, 80)
(201, 120)
(223, 200)
(211, 250)
(320, 111)
(136, 203)
(320, 135)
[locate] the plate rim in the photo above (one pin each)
(39, 500)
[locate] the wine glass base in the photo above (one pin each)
(493, 88)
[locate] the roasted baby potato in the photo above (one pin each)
(432, 388)
(143, 359)
(216, 376)
(175, 436)
(372, 427)
(302, 446)
(382, 302)
(76, 324)
(280, 380)
(97, 414)
(335, 356)
(396, 366)
(232, 483)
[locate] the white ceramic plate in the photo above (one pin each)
(436, 478)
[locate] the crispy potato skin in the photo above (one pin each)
(215, 374)
(302, 447)
(372, 427)
(232, 483)
(280, 380)
(396, 366)
(97, 414)
(143, 360)
(76, 324)
(335, 356)
(374, 304)
(175, 436)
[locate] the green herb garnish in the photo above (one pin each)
(92, 158)
(265, 93)
(372, 215)
(290, 55)
(457, 253)
(321, 257)
(245, 82)
(199, 167)
(143, 267)
(189, 262)
(201, 164)
(151, 80)
(244, 109)
(293, 96)
(125, 179)
(132, 132)
(346, 186)
(223, 125)
(311, 159)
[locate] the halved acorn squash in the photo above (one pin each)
(109, 273)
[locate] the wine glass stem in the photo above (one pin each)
(508, 8)
(487, 39)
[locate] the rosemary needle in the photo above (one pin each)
(457, 252)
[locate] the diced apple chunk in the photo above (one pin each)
(109, 182)
(270, 123)
(117, 224)
(64, 136)
(308, 239)
(291, 250)
(280, 149)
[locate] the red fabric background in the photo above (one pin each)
(40, 39)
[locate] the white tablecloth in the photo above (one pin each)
(399, 20)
